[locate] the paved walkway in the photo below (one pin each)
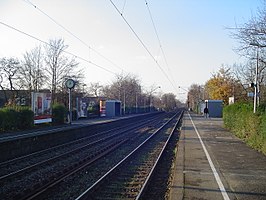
(213, 164)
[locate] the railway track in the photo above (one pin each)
(15, 166)
(41, 179)
(130, 177)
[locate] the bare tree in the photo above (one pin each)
(95, 89)
(251, 37)
(244, 75)
(9, 68)
(196, 93)
(31, 74)
(253, 31)
(125, 88)
(169, 102)
(153, 98)
(59, 67)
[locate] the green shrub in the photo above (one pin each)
(10, 119)
(240, 119)
(263, 133)
(1, 120)
(15, 118)
(262, 108)
(26, 118)
(59, 112)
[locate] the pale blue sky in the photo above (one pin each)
(193, 35)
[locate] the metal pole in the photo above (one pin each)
(136, 102)
(124, 101)
(256, 82)
(256, 85)
(145, 104)
(150, 102)
(150, 97)
(69, 106)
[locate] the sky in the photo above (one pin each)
(168, 43)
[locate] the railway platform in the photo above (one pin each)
(212, 163)
(49, 129)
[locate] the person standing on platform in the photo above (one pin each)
(206, 112)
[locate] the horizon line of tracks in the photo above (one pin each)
(66, 171)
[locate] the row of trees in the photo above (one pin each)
(128, 89)
(221, 86)
(47, 67)
(234, 81)
(44, 67)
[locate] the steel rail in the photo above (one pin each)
(85, 194)
(59, 129)
(62, 177)
(55, 157)
(68, 143)
(52, 183)
(159, 158)
(74, 150)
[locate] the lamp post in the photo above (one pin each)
(136, 102)
(138, 89)
(151, 94)
(256, 86)
(124, 101)
(187, 95)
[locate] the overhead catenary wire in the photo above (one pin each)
(90, 48)
(72, 34)
(124, 5)
(159, 41)
(72, 54)
(142, 43)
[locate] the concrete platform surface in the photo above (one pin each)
(212, 163)
(9, 136)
